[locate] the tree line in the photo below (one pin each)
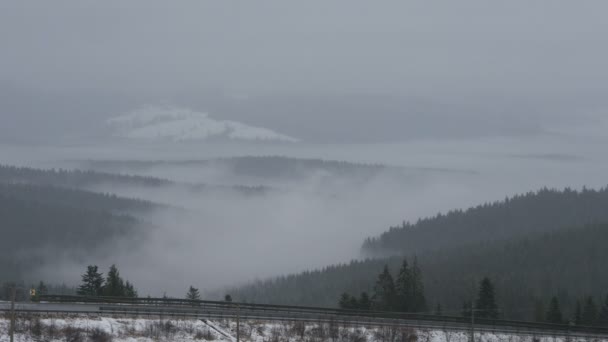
(527, 272)
(406, 294)
(403, 294)
(546, 210)
(113, 285)
(588, 313)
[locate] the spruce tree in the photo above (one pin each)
(130, 290)
(227, 298)
(92, 282)
(578, 313)
(345, 301)
(115, 286)
(42, 289)
(486, 303)
(418, 298)
(404, 288)
(193, 294)
(554, 315)
(438, 311)
(603, 316)
(384, 292)
(466, 309)
(589, 316)
(365, 303)
(539, 311)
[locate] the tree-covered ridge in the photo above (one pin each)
(271, 167)
(86, 179)
(542, 211)
(68, 197)
(258, 166)
(72, 178)
(567, 263)
(40, 222)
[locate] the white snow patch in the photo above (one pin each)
(182, 124)
(164, 329)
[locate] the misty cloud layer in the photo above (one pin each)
(345, 71)
(475, 100)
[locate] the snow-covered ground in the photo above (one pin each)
(116, 329)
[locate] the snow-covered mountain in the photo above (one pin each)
(182, 124)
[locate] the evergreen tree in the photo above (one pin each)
(92, 282)
(603, 316)
(554, 315)
(539, 310)
(404, 288)
(466, 309)
(365, 303)
(228, 298)
(486, 303)
(115, 286)
(589, 316)
(345, 301)
(418, 299)
(578, 314)
(384, 292)
(438, 311)
(130, 290)
(193, 293)
(354, 303)
(42, 289)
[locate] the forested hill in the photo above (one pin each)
(87, 179)
(527, 272)
(542, 211)
(34, 232)
(272, 167)
(72, 178)
(42, 222)
(66, 197)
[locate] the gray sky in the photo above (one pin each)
(499, 67)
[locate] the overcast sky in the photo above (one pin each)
(284, 64)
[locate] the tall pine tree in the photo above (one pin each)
(345, 301)
(92, 282)
(466, 309)
(384, 292)
(485, 306)
(193, 294)
(603, 316)
(578, 314)
(115, 286)
(130, 290)
(589, 316)
(42, 289)
(364, 302)
(404, 288)
(554, 315)
(418, 298)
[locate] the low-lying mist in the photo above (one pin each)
(222, 236)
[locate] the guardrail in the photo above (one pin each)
(260, 309)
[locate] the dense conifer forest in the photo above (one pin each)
(72, 178)
(271, 167)
(44, 221)
(527, 272)
(542, 211)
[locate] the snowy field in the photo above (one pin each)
(106, 329)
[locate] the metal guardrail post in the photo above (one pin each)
(472, 323)
(13, 298)
(238, 323)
